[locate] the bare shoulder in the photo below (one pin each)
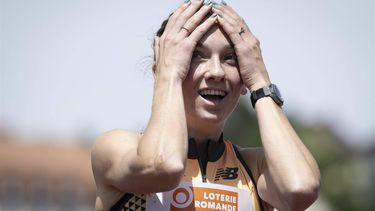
(254, 158)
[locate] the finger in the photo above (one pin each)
(172, 19)
(223, 14)
(234, 15)
(224, 9)
(186, 15)
(228, 26)
(195, 20)
(202, 29)
(237, 24)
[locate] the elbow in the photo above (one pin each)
(171, 175)
(167, 173)
(303, 195)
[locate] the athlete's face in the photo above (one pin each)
(213, 85)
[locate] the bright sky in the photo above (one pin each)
(77, 66)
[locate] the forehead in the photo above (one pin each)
(215, 38)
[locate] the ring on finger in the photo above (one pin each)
(242, 31)
(186, 29)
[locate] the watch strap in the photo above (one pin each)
(257, 94)
(270, 90)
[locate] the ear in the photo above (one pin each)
(156, 54)
(153, 69)
(244, 90)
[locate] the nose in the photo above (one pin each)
(215, 70)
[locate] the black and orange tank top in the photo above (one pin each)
(219, 180)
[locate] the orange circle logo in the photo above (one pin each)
(182, 197)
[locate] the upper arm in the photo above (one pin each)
(266, 187)
(284, 199)
(254, 158)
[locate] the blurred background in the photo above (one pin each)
(71, 70)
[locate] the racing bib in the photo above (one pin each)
(197, 196)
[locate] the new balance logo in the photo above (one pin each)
(226, 173)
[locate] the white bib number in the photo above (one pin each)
(190, 196)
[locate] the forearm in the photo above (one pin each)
(164, 143)
(132, 162)
(290, 164)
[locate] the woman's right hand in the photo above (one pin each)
(174, 48)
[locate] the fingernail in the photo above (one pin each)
(215, 8)
(207, 2)
(187, 1)
(213, 15)
(223, 2)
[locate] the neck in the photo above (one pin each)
(204, 133)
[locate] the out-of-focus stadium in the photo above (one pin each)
(46, 175)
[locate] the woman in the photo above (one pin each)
(205, 57)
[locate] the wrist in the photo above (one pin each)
(167, 81)
(259, 78)
(259, 83)
(171, 72)
(170, 77)
(267, 91)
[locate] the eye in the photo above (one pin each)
(231, 57)
(197, 55)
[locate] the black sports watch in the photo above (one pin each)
(270, 90)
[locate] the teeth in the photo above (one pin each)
(212, 92)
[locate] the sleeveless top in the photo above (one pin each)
(218, 180)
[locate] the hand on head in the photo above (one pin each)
(174, 48)
(246, 45)
(187, 25)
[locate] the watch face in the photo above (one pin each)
(277, 92)
(277, 95)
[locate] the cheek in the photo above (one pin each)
(194, 67)
(192, 77)
(235, 78)
(190, 82)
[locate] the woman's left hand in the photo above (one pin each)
(246, 45)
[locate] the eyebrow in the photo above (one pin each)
(227, 46)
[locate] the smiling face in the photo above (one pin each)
(213, 85)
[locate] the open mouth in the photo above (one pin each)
(212, 94)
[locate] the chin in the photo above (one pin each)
(209, 117)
